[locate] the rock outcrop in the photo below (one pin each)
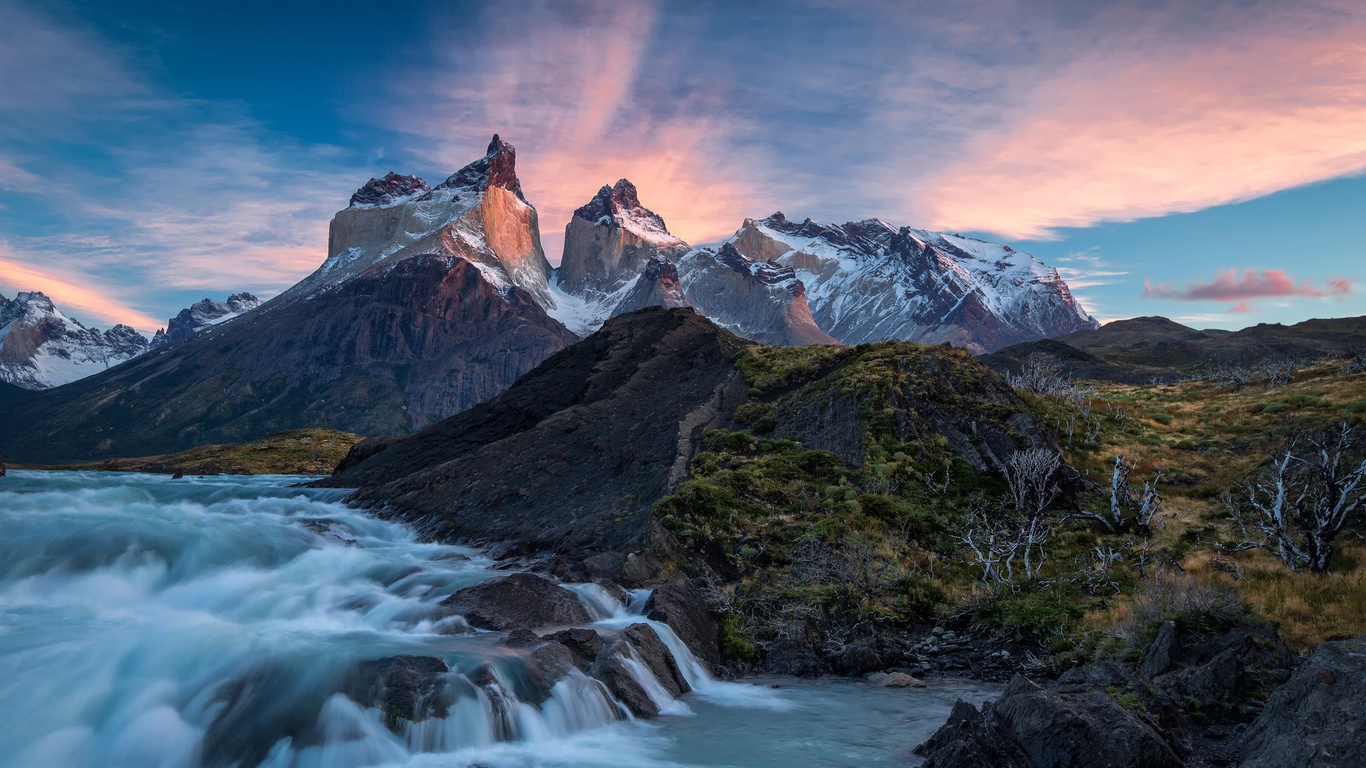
(870, 281)
(610, 240)
(519, 601)
(1190, 693)
(678, 604)
(42, 348)
(429, 302)
(1318, 718)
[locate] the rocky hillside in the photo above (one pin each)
(869, 281)
(573, 461)
(40, 347)
(405, 323)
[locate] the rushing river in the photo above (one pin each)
(147, 622)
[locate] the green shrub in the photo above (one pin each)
(1273, 408)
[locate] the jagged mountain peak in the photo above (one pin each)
(393, 189)
(40, 347)
(614, 199)
(35, 299)
(202, 314)
(497, 168)
(870, 280)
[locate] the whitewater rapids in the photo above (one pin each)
(147, 622)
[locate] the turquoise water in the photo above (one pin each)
(147, 622)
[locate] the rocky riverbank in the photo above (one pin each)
(1191, 699)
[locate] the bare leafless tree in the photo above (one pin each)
(1276, 372)
(1042, 375)
(1299, 505)
(1229, 376)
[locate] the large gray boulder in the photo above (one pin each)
(1318, 718)
(519, 601)
(1031, 727)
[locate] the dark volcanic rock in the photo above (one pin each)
(519, 601)
(1030, 727)
(678, 604)
(1228, 677)
(389, 189)
(584, 645)
(656, 655)
(572, 458)
(639, 643)
(1318, 718)
(404, 688)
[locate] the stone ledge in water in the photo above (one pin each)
(679, 605)
(404, 688)
(639, 641)
(519, 601)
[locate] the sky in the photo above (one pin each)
(1205, 161)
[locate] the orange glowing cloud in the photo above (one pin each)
(1146, 132)
(69, 296)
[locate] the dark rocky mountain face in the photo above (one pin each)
(572, 457)
(381, 340)
(868, 281)
(391, 189)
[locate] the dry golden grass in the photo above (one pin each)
(1205, 440)
(1309, 608)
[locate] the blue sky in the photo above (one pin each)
(1200, 160)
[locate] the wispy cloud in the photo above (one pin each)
(126, 185)
(1160, 124)
(17, 273)
(1249, 285)
(563, 82)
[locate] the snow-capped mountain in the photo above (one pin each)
(478, 215)
(202, 314)
(619, 257)
(40, 347)
(428, 303)
(869, 281)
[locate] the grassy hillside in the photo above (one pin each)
(294, 452)
(838, 509)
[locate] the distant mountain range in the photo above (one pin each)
(40, 347)
(435, 298)
(1145, 349)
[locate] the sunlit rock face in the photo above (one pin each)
(610, 240)
(869, 281)
(619, 256)
(478, 214)
(40, 347)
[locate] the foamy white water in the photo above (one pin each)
(147, 622)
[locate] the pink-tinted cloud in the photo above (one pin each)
(1249, 285)
(68, 293)
(1157, 126)
(562, 85)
